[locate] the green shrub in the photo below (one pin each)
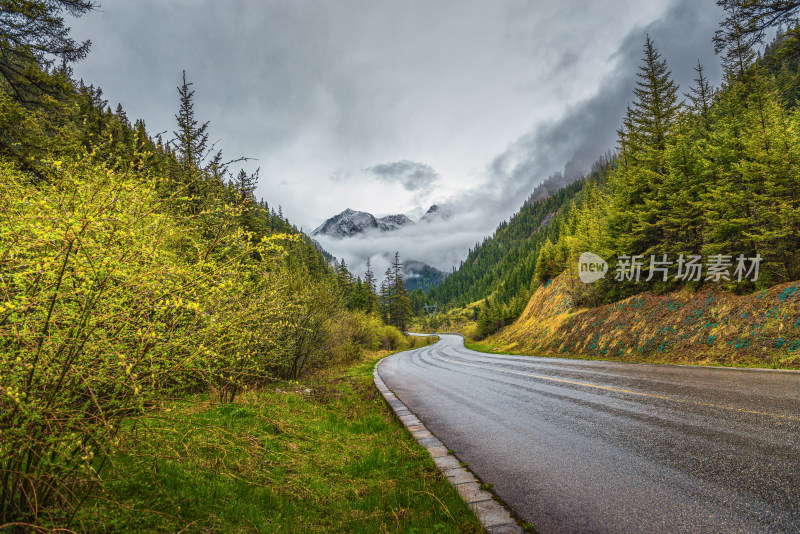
(108, 303)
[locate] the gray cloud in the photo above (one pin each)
(568, 145)
(339, 176)
(410, 174)
(495, 96)
(587, 130)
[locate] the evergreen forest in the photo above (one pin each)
(707, 177)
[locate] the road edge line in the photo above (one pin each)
(493, 514)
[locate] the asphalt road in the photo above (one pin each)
(593, 446)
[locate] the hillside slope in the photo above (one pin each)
(707, 327)
(504, 264)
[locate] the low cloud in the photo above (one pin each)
(566, 146)
(440, 244)
(587, 130)
(413, 176)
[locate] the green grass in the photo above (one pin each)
(334, 460)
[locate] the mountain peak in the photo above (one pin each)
(346, 224)
(393, 222)
(351, 222)
(437, 213)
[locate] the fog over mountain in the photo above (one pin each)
(566, 147)
(358, 235)
(388, 108)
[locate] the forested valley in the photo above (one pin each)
(711, 173)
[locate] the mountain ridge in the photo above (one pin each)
(350, 223)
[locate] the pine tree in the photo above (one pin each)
(343, 274)
(546, 268)
(191, 145)
(385, 296)
(359, 298)
(734, 40)
(682, 222)
(730, 201)
(122, 116)
(701, 96)
(747, 22)
(401, 304)
(33, 32)
(651, 116)
(191, 137)
(369, 284)
(245, 186)
(638, 205)
(394, 301)
(754, 205)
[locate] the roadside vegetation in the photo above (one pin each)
(147, 299)
(709, 173)
(709, 327)
(323, 455)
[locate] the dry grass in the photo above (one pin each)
(710, 327)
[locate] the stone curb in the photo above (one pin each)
(494, 517)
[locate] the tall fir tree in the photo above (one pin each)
(401, 303)
(385, 295)
(639, 206)
(369, 284)
(656, 104)
(394, 302)
(191, 144)
(733, 40)
(191, 138)
(245, 186)
(701, 96)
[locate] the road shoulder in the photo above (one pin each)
(493, 515)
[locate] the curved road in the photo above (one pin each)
(594, 446)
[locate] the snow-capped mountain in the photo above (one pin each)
(347, 224)
(437, 213)
(350, 223)
(393, 222)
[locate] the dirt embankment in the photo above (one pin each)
(709, 327)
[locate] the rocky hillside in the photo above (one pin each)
(710, 327)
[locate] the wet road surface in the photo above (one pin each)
(594, 446)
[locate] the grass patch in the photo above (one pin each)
(282, 459)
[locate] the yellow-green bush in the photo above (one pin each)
(114, 299)
(392, 339)
(108, 303)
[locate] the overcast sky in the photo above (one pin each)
(390, 106)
